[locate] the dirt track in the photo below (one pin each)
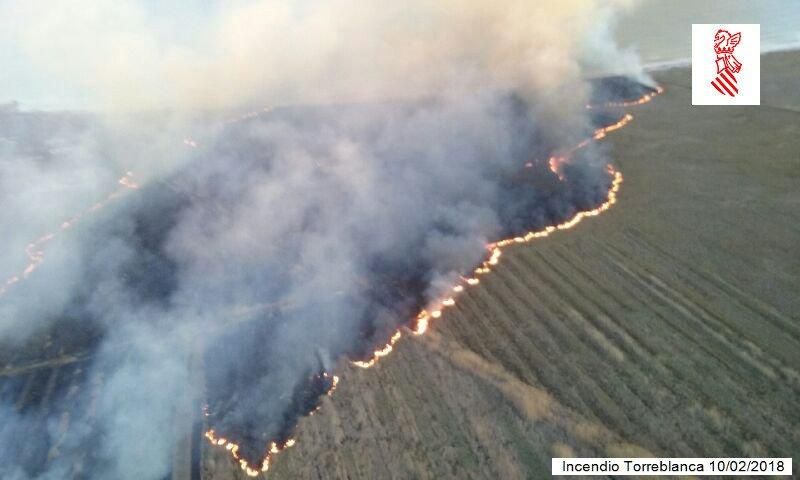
(668, 326)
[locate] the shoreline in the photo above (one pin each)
(686, 62)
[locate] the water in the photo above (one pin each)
(661, 30)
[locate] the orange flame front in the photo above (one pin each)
(640, 101)
(557, 161)
(35, 250)
(423, 319)
(233, 448)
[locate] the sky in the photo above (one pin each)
(322, 210)
(24, 81)
(378, 190)
(33, 54)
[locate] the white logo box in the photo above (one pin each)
(710, 86)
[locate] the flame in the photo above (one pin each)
(640, 101)
(557, 161)
(495, 252)
(555, 166)
(601, 132)
(233, 449)
(35, 250)
(423, 319)
(35, 253)
(381, 352)
(335, 382)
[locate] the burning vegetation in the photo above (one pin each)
(216, 288)
(376, 227)
(400, 294)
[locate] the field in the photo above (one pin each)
(668, 326)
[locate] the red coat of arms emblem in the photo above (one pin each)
(727, 65)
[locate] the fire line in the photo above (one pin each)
(422, 322)
(35, 250)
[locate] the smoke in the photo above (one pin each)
(119, 53)
(284, 242)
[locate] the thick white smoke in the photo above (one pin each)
(398, 180)
(124, 55)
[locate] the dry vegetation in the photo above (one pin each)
(669, 326)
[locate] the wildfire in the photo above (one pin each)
(601, 132)
(274, 448)
(381, 352)
(557, 161)
(423, 319)
(335, 382)
(233, 449)
(640, 101)
(555, 166)
(35, 250)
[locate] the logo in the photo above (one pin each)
(726, 63)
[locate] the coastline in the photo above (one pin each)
(686, 62)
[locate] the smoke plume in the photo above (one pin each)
(260, 251)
